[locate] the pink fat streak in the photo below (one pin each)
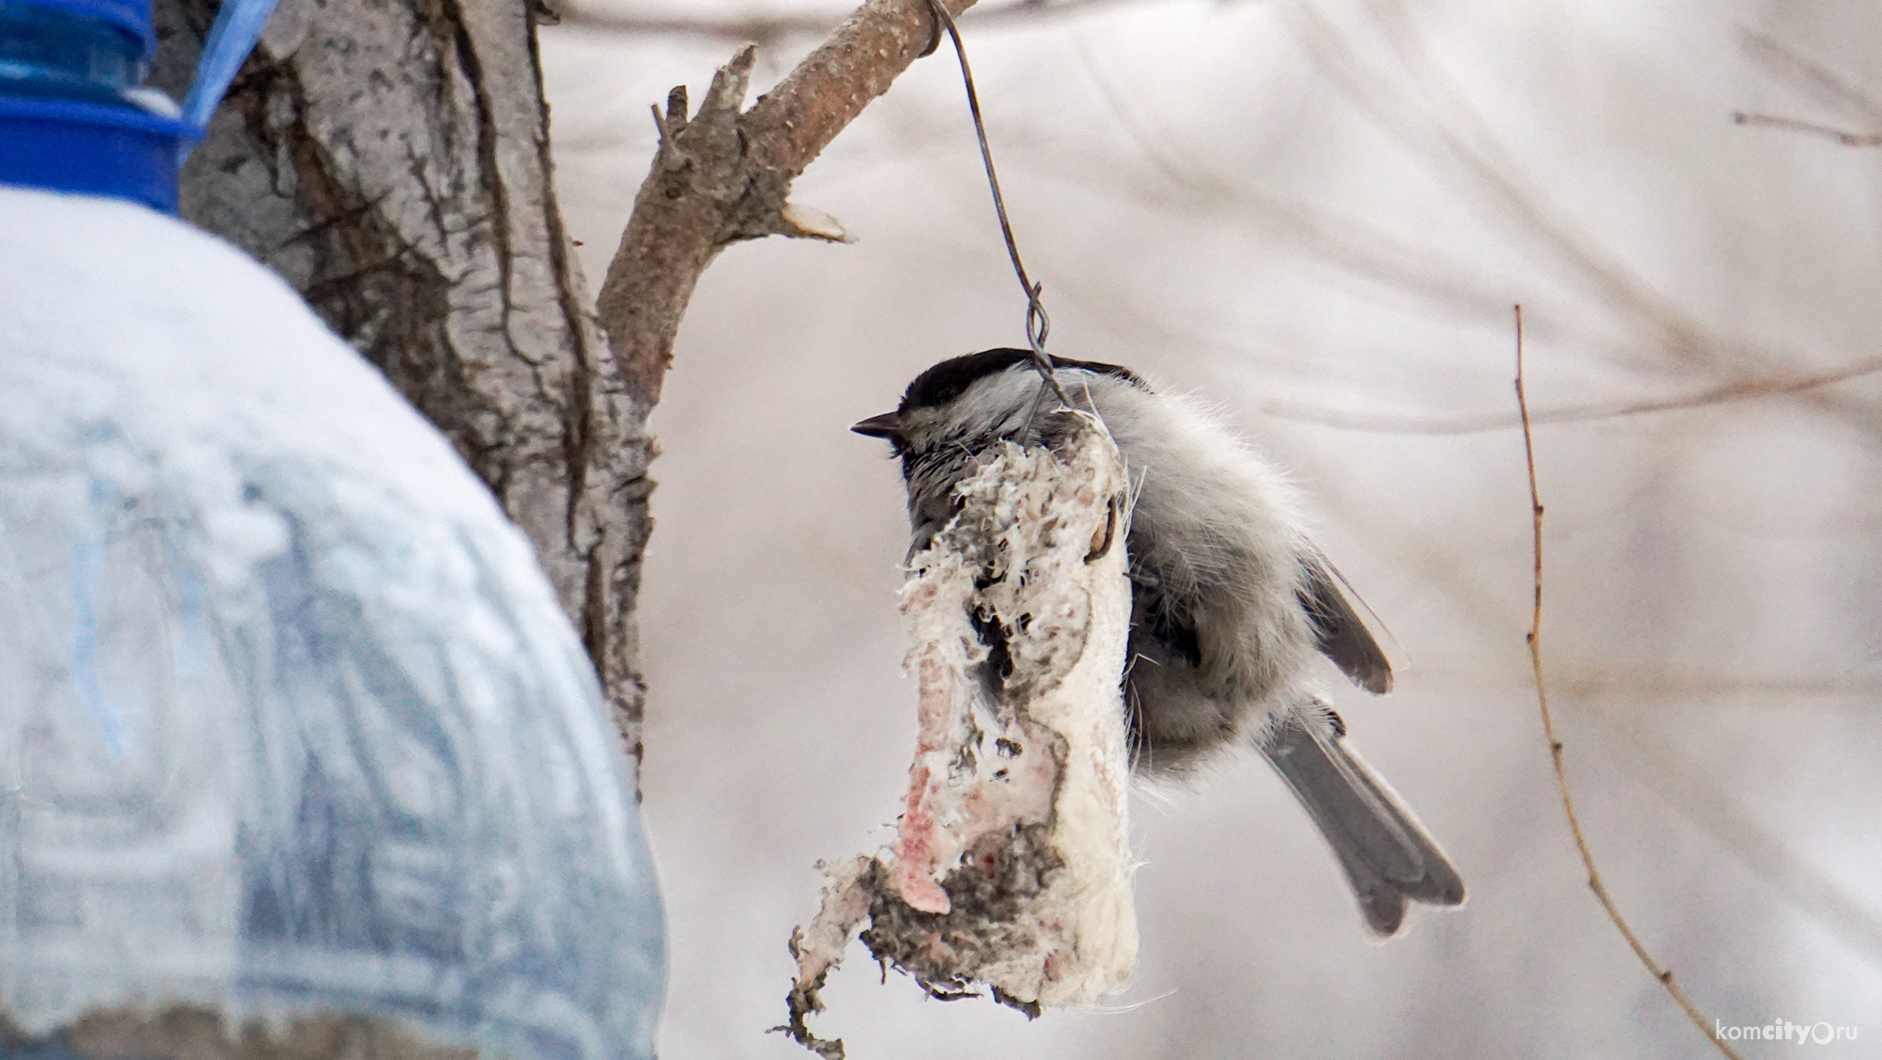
(915, 840)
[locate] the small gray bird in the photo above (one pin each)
(1229, 598)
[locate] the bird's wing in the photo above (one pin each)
(1339, 632)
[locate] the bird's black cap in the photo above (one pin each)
(946, 381)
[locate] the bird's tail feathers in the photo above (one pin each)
(1388, 857)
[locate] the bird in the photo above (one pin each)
(1230, 597)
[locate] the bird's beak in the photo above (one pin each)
(888, 425)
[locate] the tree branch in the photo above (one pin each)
(768, 30)
(723, 175)
(391, 162)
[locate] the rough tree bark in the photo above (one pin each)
(390, 159)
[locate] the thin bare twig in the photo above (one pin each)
(1664, 975)
(1396, 423)
(1811, 128)
(1812, 78)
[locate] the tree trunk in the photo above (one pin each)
(390, 158)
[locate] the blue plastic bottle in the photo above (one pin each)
(87, 52)
(72, 116)
(293, 731)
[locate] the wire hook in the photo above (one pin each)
(1038, 323)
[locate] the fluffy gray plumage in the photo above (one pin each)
(1230, 598)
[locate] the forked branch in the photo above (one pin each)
(724, 174)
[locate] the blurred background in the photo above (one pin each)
(1318, 215)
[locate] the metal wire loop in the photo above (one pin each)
(1038, 323)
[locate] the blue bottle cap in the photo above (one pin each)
(92, 149)
(131, 16)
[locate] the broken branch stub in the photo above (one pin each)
(1011, 864)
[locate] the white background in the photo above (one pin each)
(1314, 211)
